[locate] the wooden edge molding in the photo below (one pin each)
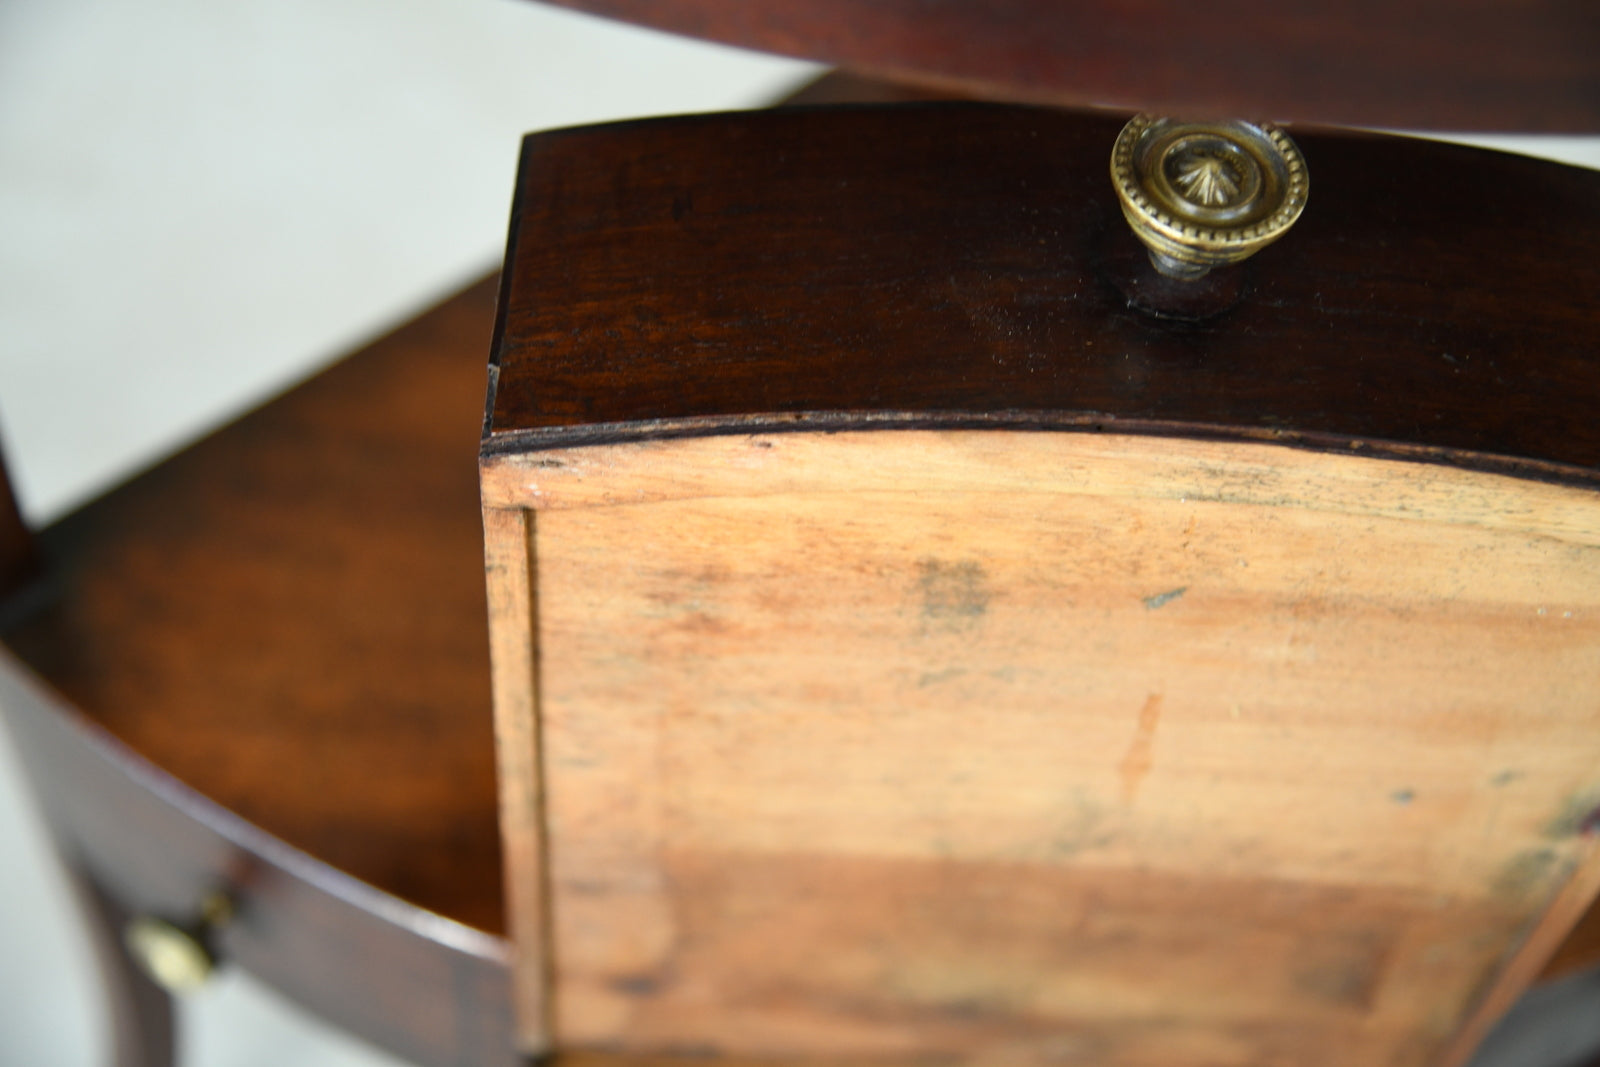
(1528, 959)
(510, 572)
(590, 436)
(1237, 472)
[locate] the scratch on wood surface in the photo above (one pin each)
(1161, 599)
(1136, 764)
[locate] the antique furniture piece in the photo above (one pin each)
(837, 405)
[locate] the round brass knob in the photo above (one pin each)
(177, 958)
(1206, 194)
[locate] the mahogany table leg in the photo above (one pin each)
(142, 1013)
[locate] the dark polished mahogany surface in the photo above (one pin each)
(136, 842)
(1419, 64)
(290, 617)
(968, 265)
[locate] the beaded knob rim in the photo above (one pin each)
(1204, 194)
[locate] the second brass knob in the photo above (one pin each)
(178, 956)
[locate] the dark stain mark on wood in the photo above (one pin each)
(1136, 764)
(1163, 599)
(1403, 796)
(931, 678)
(954, 595)
(1082, 827)
(636, 985)
(1579, 815)
(1526, 872)
(1343, 970)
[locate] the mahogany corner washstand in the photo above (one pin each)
(842, 372)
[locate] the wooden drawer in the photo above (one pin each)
(906, 647)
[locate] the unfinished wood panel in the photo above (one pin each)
(1053, 746)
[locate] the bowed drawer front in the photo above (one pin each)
(906, 649)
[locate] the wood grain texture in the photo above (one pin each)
(981, 744)
(1428, 302)
(1428, 64)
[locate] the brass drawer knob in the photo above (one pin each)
(178, 958)
(1206, 194)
